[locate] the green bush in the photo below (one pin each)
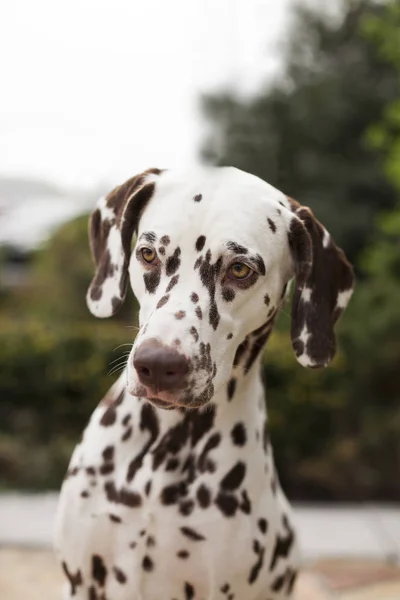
(53, 376)
(329, 442)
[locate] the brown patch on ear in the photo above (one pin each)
(97, 235)
(324, 281)
(119, 214)
(132, 214)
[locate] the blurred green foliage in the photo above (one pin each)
(55, 359)
(305, 134)
(53, 376)
(328, 134)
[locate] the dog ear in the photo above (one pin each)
(324, 283)
(111, 229)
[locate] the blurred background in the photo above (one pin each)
(305, 95)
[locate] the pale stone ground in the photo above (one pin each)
(35, 575)
(29, 574)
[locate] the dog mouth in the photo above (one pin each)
(162, 399)
(159, 403)
(166, 400)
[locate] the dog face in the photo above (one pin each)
(215, 251)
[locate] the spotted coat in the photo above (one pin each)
(174, 494)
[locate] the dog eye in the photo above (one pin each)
(240, 271)
(148, 254)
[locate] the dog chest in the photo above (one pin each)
(174, 517)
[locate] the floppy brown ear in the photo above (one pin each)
(111, 229)
(324, 283)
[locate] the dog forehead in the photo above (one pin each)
(220, 203)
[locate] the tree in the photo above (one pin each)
(306, 133)
(62, 273)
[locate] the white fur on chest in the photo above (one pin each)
(169, 517)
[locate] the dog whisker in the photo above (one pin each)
(120, 346)
(117, 368)
(124, 355)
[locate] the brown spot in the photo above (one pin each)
(198, 312)
(162, 301)
(115, 518)
(108, 453)
(151, 280)
(234, 477)
(198, 197)
(173, 262)
(149, 236)
(99, 571)
(186, 507)
(192, 534)
(174, 280)
(126, 419)
(110, 398)
(227, 504)
(260, 264)
(109, 417)
(106, 469)
(238, 434)
(236, 248)
(267, 299)
(75, 580)
(119, 575)
(122, 495)
(228, 294)
(203, 496)
(194, 297)
(189, 591)
(262, 524)
(165, 239)
(283, 543)
(272, 225)
(150, 542)
(126, 435)
(200, 243)
(147, 564)
(241, 350)
(231, 388)
(194, 333)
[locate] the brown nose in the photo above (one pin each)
(160, 367)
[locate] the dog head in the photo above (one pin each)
(214, 252)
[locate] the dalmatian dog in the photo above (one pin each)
(172, 492)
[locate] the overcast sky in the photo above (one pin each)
(97, 90)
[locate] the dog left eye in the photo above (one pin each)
(240, 270)
(148, 254)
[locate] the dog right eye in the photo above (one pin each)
(148, 254)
